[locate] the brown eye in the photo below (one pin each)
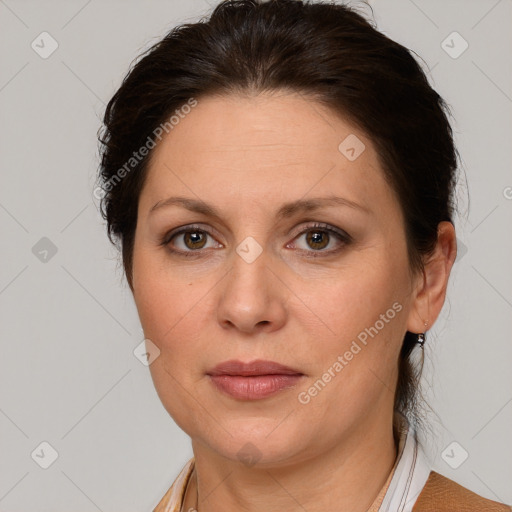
(317, 239)
(194, 239)
(321, 239)
(190, 241)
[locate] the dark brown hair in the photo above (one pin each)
(331, 54)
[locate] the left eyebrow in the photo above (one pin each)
(286, 211)
(309, 205)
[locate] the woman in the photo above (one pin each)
(280, 177)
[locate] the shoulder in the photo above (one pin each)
(441, 494)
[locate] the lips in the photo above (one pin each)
(257, 367)
(253, 381)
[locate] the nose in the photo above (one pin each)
(253, 299)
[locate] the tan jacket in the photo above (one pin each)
(443, 495)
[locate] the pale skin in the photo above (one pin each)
(246, 157)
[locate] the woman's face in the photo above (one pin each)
(255, 278)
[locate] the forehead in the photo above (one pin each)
(278, 146)
(270, 124)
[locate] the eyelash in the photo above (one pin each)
(344, 237)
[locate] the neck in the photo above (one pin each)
(347, 477)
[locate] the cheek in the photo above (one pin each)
(172, 313)
(170, 307)
(354, 300)
(364, 309)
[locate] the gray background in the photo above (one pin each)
(68, 375)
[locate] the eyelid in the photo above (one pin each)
(324, 227)
(187, 227)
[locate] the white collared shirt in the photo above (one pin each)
(411, 472)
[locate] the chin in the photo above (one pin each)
(254, 444)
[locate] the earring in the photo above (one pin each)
(421, 337)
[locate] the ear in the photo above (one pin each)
(431, 288)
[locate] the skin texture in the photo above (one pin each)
(247, 157)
